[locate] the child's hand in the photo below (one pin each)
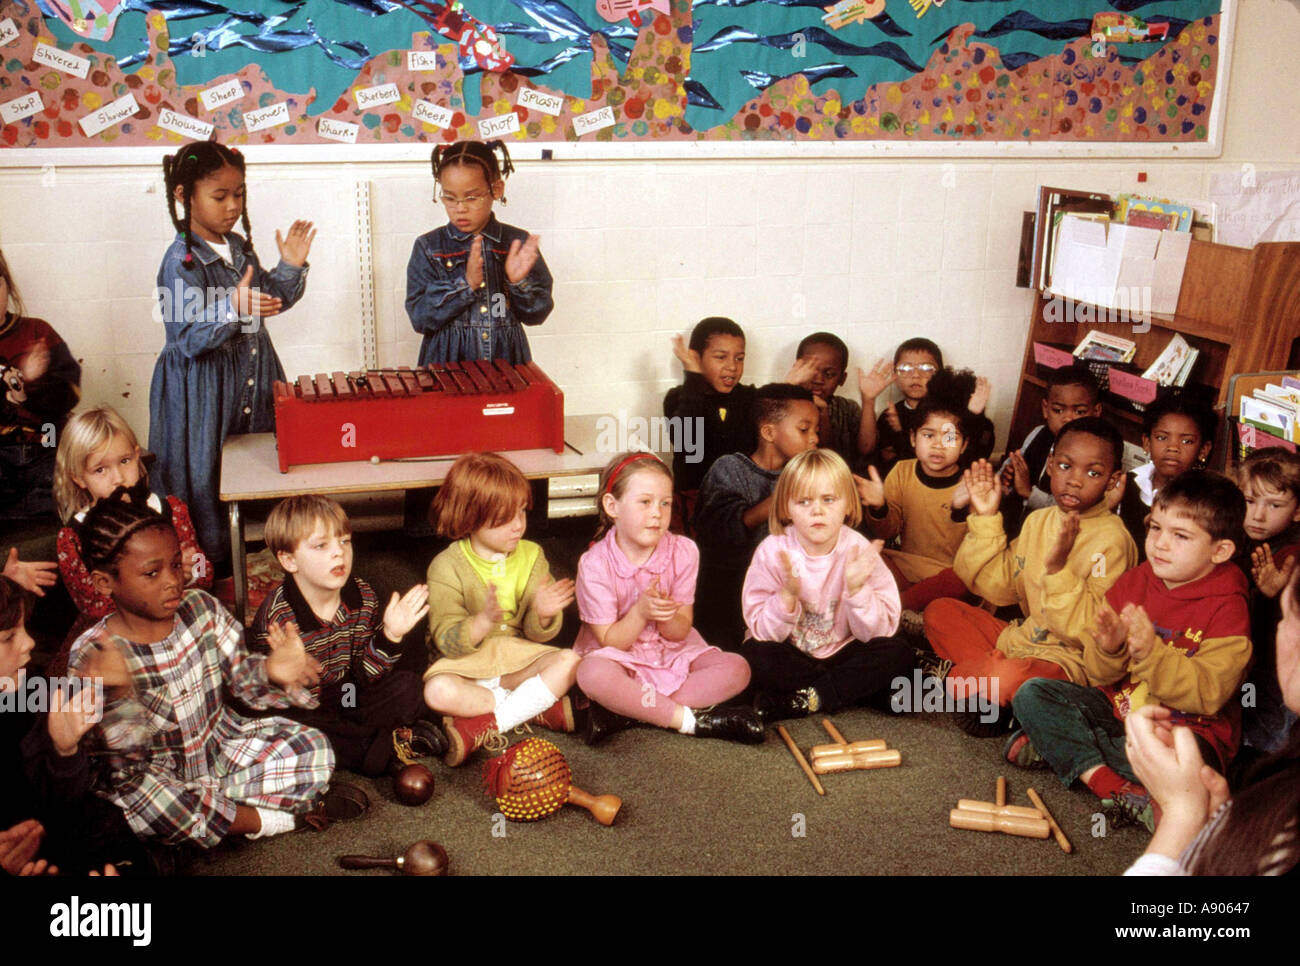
(1168, 763)
(289, 666)
(802, 372)
(1060, 552)
(474, 266)
(871, 491)
(822, 405)
(104, 662)
(19, 845)
(1141, 632)
(791, 586)
(1115, 493)
(295, 246)
(980, 397)
(490, 616)
(522, 257)
(1020, 474)
(1269, 578)
(250, 301)
(553, 597)
(876, 380)
(109, 869)
(689, 358)
(31, 575)
(405, 612)
(71, 717)
(891, 417)
(859, 566)
(960, 496)
(985, 493)
(1110, 630)
(653, 606)
(35, 362)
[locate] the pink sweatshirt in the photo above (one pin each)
(825, 619)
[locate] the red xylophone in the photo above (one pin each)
(437, 410)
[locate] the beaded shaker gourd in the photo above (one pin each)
(532, 780)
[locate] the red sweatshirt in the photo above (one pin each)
(1197, 666)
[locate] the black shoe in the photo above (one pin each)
(343, 802)
(972, 722)
(601, 723)
(779, 705)
(736, 723)
(428, 740)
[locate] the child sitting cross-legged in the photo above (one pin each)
(1058, 571)
(493, 605)
(819, 603)
(1172, 632)
(361, 698)
(182, 765)
(735, 500)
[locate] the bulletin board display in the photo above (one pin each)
(140, 73)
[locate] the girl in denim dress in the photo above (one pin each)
(473, 284)
(213, 378)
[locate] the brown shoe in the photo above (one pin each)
(558, 717)
(467, 735)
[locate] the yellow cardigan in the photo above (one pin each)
(1059, 608)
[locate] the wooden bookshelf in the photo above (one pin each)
(1239, 306)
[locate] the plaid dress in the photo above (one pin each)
(179, 760)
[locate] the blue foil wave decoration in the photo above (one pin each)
(697, 95)
(761, 80)
(813, 35)
(267, 39)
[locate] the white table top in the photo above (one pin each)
(250, 468)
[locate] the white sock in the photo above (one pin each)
(688, 722)
(524, 703)
(274, 822)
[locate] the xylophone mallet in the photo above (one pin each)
(798, 756)
(1061, 840)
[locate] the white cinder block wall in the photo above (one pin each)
(876, 250)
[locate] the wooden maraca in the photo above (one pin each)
(413, 785)
(422, 858)
(532, 780)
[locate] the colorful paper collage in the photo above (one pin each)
(129, 74)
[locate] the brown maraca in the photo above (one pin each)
(532, 780)
(413, 785)
(422, 858)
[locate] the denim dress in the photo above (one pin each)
(213, 377)
(460, 323)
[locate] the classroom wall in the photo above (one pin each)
(877, 250)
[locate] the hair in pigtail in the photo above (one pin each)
(183, 170)
(483, 156)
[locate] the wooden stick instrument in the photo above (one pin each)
(1033, 828)
(421, 858)
(859, 761)
(834, 732)
(853, 748)
(1061, 840)
(971, 805)
(798, 756)
(1001, 794)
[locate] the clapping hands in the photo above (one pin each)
(654, 605)
(403, 613)
(982, 485)
(553, 596)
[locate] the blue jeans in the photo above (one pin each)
(1072, 727)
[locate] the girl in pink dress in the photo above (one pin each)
(643, 660)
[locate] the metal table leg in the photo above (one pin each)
(238, 567)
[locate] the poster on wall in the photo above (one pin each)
(136, 73)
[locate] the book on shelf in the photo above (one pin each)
(1104, 347)
(1273, 410)
(1174, 364)
(1158, 213)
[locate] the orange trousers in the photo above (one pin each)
(968, 637)
(918, 596)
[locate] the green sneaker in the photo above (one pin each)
(1020, 751)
